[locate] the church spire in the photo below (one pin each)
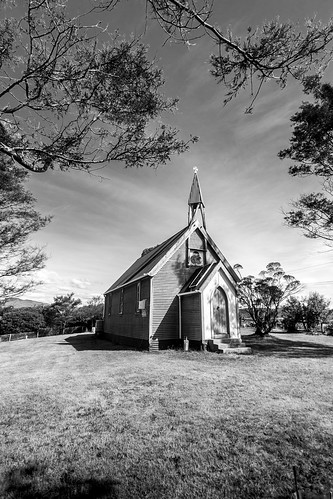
(195, 202)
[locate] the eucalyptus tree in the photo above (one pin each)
(263, 295)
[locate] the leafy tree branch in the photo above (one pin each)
(19, 260)
(70, 100)
(311, 150)
(275, 51)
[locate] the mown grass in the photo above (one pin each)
(81, 418)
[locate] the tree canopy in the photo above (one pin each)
(72, 95)
(311, 311)
(262, 296)
(311, 150)
(18, 220)
(61, 310)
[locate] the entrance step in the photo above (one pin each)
(228, 345)
(235, 350)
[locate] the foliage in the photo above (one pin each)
(311, 311)
(292, 313)
(311, 147)
(315, 310)
(74, 96)
(62, 309)
(21, 320)
(91, 312)
(66, 311)
(263, 295)
(275, 51)
(18, 220)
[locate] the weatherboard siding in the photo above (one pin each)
(191, 317)
(167, 284)
(129, 324)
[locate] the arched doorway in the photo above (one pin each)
(219, 313)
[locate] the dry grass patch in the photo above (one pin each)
(81, 418)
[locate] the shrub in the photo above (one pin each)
(21, 320)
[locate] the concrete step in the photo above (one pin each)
(228, 345)
(235, 350)
(232, 342)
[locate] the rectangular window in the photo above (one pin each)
(121, 301)
(138, 297)
(110, 304)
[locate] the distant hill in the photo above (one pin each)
(19, 303)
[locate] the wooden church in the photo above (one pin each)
(181, 288)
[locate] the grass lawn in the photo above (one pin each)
(80, 418)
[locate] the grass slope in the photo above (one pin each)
(81, 418)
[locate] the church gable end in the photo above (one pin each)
(167, 283)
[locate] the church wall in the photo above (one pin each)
(124, 324)
(166, 286)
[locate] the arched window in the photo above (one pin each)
(219, 313)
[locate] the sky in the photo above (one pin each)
(101, 225)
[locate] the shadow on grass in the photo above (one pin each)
(28, 483)
(89, 341)
(277, 347)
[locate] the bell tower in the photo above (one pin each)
(195, 202)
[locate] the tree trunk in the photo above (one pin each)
(260, 332)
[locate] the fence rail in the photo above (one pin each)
(38, 334)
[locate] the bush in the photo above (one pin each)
(21, 320)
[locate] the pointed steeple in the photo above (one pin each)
(195, 202)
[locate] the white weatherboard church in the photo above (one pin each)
(181, 288)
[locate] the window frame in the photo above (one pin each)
(121, 302)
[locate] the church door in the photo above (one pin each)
(219, 313)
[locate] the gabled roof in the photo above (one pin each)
(152, 261)
(143, 265)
